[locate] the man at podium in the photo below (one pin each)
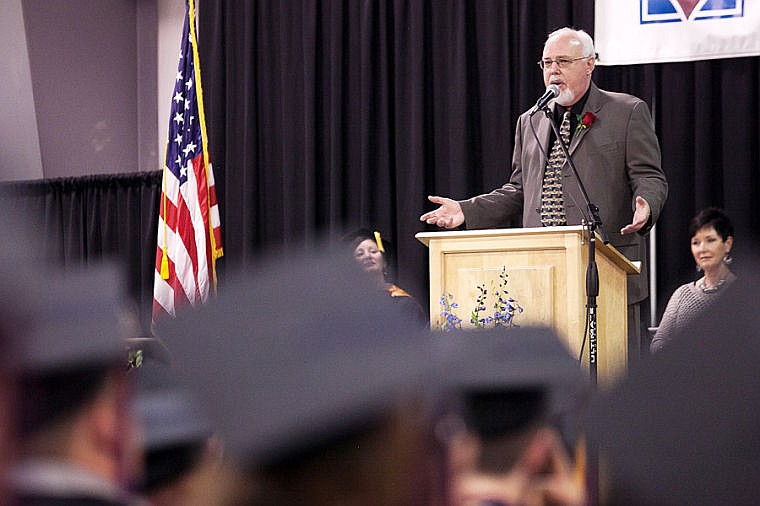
(611, 139)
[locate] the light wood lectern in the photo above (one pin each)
(546, 275)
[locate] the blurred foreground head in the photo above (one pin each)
(63, 392)
(316, 384)
(67, 359)
(174, 435)
(683, 427)
(521, 397)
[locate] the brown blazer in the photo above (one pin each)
(617, 157)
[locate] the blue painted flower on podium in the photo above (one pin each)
(505, 308)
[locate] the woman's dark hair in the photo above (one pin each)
(712, 217)
(353, 239)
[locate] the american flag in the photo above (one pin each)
(189, 231)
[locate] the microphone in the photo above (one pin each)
(552, 91)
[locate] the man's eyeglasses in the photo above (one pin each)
(561, 62)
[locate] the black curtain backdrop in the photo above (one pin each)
(88, 220)
(328, 114)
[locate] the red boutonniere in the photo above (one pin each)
(586, 120)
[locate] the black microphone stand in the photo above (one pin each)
(594, 225)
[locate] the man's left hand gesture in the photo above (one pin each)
(640, 217)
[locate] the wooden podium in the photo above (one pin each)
(546, 275)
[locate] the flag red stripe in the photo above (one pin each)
(186, 233)
(173, 282)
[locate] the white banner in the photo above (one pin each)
(652, 31)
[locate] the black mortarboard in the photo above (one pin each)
(296, 352)
(70, 320)
(361, 234)
(682, 428)
(511, 377)
(355, 237)
(513, 357)
(68, 335)
(173, 431)
(60, 332)
(168, 413)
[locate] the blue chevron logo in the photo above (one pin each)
(684, 11)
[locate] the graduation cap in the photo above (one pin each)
(682, 428)
(68, 320)
(169, 414)
(512, 358)
(58, 330)
(173, 430)
(511, 377)
(384, 245)
(69, 331)
(296, 352)
(362, 234)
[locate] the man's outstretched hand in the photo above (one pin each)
(448, 215)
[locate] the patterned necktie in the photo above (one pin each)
(552, 203)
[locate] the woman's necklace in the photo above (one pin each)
(710, 289)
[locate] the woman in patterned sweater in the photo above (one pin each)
(711, 241)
